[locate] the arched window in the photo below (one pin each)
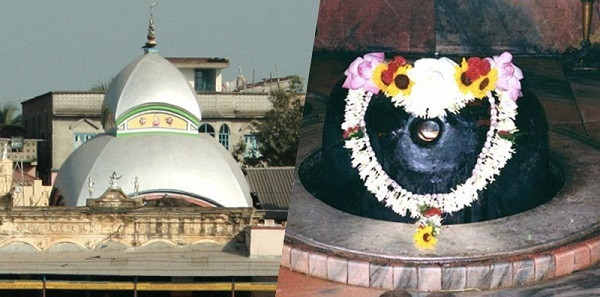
(224, 136)
(207, 128)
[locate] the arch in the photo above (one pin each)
(224, 133)
(20, 246)
(207, 128)
(158, 242)
(157, 198)
(208, 241)
(64, 245)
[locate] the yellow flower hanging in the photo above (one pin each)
(377, 73)
(475, 77)
(424, 238)
(402, 84)
(392, 78)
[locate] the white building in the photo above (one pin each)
(65, 120)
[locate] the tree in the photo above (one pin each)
(10, 122)
(9, 116)
(100, 87)
(278, 133)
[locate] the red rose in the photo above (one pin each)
(387, 76)
(477, 68)
(503, 133)
(350, 131)
(432, 211)
(346, 134)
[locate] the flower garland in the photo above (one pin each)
(429, 89)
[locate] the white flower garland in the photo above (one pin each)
(428, 90)
(492, 158)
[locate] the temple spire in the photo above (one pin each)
(151, 43)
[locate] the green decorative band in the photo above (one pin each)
(155, 107)
(132, 133)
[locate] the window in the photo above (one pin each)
(224, 136)
(205, 80)
(207, 128)
(251, 146)
(81, 138)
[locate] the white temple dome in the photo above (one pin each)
(149, 81)
(151, 116)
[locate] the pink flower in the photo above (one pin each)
(358, 75)
(351, 132)
(509, 75)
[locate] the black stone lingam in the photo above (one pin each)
(433, 156)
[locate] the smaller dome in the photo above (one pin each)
(148, 82)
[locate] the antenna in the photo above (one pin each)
(241, 80)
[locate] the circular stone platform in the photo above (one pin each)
(548, 241)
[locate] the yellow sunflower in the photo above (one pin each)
(401, 84)
(377, 76)
(424, 238)
(480, 86)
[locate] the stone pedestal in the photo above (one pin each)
(113, 198)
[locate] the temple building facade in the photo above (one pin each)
(62, 121)
(145, 192)
(150, 116)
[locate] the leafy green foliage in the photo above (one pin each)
(9, 116)
(11, 123)
(101, 86)
(240, 155)
(278, 132)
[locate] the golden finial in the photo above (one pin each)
(151, 43)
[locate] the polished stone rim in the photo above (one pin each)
(572, 215)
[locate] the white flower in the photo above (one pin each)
(434, 90)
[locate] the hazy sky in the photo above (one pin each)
(73, 45)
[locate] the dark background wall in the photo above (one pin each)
(452, 26)
(360, 25)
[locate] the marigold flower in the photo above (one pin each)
(424, 238)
